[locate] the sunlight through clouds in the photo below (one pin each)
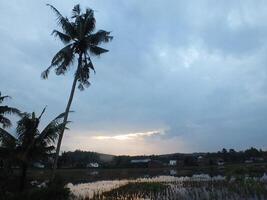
(129, 136)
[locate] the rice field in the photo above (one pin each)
(199, 187)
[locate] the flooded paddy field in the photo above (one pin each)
(200, 186)
(229, 182)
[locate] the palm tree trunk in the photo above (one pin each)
(65, 120)
(23, 176)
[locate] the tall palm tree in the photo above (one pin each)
(29, 144)
(81, 40)
(5, 110)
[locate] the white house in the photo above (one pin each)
(38, 165)
(172, 162)
(92, 165)
(220, 162)
(141, 160)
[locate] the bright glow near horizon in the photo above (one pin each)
(129, 136)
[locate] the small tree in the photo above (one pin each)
(29, 144)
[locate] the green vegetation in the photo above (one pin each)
(248, 187)
(132, 189)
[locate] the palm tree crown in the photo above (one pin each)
(29, 143)
(81, 40)
(4, 110)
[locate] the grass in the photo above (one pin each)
(133, 190)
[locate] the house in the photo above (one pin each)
(200, 157)
(202, 161)
(144, 163)
(92, 165)
(249, 161)
(155, 164)
(173, 172)
(220, 162)
(258, 159)
(38, 165)
(173, 162)
(147, 160)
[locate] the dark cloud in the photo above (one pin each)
(195, 69)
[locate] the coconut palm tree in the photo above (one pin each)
(81, 42)
(29, 144)
(5, 110)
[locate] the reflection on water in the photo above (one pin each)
(94, 173)
(198, 186)
(90, 175)
(173, 172)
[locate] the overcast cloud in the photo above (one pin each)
(181, 76)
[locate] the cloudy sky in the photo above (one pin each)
(181, 76)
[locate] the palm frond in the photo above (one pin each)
(51, 131)
(45, 73)
(68, 55)
(63, 37)
(61, 60)
(43, 111)
(76, 11)
(64, 22)
(27, 128)
(95, 50)
(83, 74)
(55, 121)
(99, 37)
(83, 84)
(89, 63)
(2, 98)
(65, 53)
(7, 140)
(89, 22)
(79, 27)
(6, 123)
(9, 110)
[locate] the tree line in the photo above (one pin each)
(81, 159)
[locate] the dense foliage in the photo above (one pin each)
(28, 144)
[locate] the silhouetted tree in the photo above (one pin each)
(5, 110)
(190, 161)
(29, 144)
(78, 158)
(81, 42)
(252, 152)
